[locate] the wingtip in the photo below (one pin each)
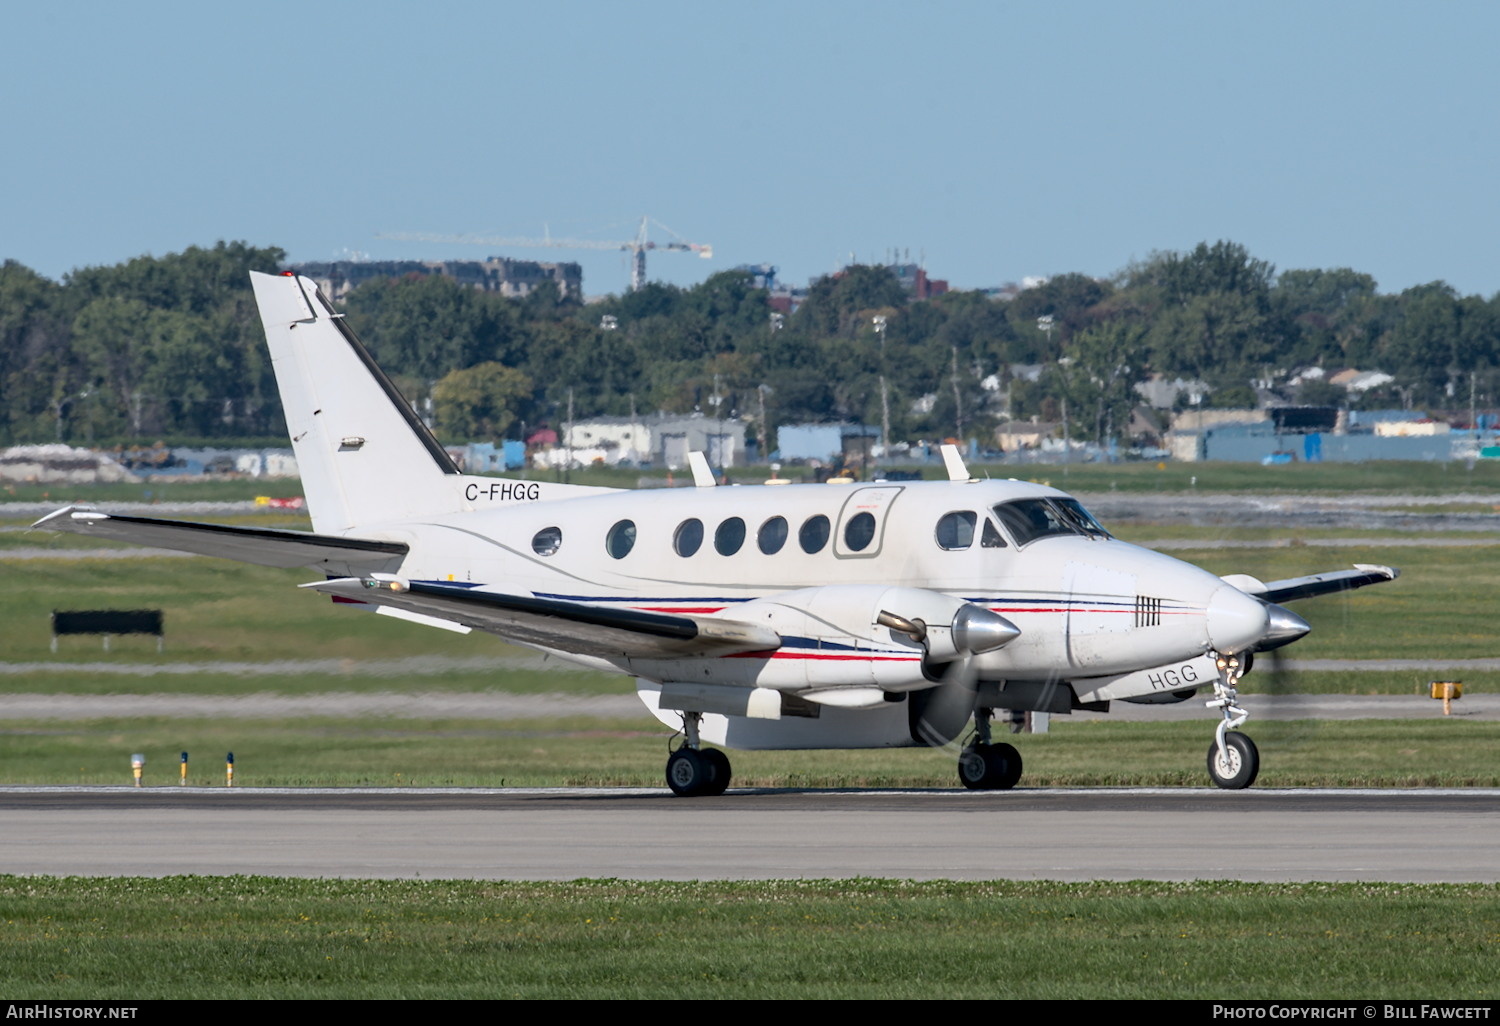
(66, 513)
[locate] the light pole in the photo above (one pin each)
(59, 405)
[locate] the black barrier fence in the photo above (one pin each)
(107, 622)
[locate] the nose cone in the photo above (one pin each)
(1235, 621)
(1283, 628)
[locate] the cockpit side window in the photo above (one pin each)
(1030, 519)
(1082, 518)
(991, 538)
(956, 530)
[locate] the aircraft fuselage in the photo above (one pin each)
(1082, 600)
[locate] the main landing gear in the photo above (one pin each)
(693, 771)
(985, 766)
(1233, 760)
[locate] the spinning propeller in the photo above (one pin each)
(946, 707)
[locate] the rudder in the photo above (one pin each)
(364, 455)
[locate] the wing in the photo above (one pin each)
(260, 545)
(564, 626)
(1314, 584)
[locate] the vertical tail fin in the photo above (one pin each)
(364, 455)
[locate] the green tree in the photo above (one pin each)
(479, 401)
(834, 303)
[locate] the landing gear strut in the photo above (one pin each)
(1233, 760)
(984, 766)
(694, 771)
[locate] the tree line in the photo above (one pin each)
(171, 347)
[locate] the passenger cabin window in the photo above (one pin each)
(547, 541)
(814, 534)
(772, 535)
(1030, 519)
(730, 536)
(956, 530)
(859, 532)
(689, 537)
(621, 539)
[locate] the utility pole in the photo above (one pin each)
(958, 400)
(568, 436)
(885, 418)
(763, 431)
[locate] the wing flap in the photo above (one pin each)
(1293, 588)
(260, 545)
(567, 626)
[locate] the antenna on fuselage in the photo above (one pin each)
(957, 470)
(703, 474)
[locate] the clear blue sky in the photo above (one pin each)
(998, 139)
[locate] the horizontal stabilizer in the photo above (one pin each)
(568, 626)
(1320, 584)
(260, 545)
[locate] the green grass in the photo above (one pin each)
(1397, 476)
(1143, 532)
(353, 677)
(1263, 680)
(215, 609)
(1400, 476)
(367, 751)
(362, 678)
(1443, 607)
(254, 938)
(158, 490)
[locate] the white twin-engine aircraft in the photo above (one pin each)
(805, 616)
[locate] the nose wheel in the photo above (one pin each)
(1233, 765)
(1233, 760)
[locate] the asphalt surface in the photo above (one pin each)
(563, 834)
(554, 834)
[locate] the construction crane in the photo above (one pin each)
(636, 247)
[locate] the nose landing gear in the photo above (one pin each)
(1233, 760)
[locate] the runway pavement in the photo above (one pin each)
(562, 834)
(500, 705)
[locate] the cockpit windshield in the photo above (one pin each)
(1030, 519)
(1073, 509)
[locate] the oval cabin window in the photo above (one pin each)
(689, 537)
(547, 541)
(814, 534)
(621, 539)
(730, 536)
(772, 535)
(859, 532)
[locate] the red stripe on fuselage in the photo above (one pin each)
(851, 657)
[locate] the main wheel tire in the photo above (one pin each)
(1238, 766)
(974, 768)
(1007, 761)
(984, 767)
(719, 771)
(688, 774)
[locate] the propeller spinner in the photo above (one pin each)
(975, 630)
